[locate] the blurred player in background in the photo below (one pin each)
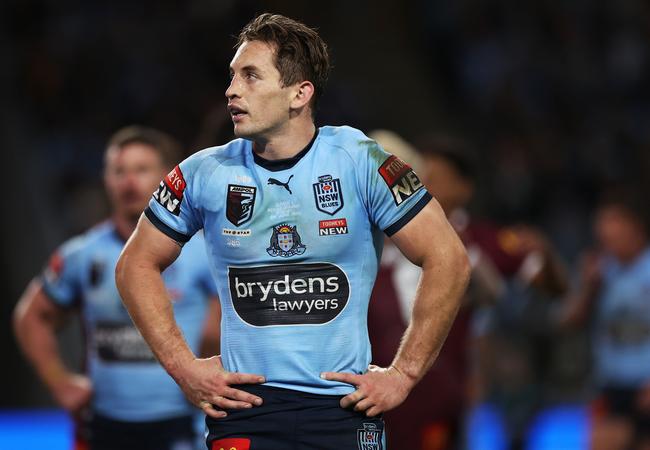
(295, 217)
(613, 296)
(132, 402)
(432, 418)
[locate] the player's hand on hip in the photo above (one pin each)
(72, 391)
(380, 389)
(208, 385)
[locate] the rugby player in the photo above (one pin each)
(134, 404)
(612, 298)
(294, 218)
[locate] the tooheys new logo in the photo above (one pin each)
(288, 294)
(400, 178)
(170, 191)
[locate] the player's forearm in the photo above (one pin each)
(144, 294)
(36, 337)
(438, 298)
(577, 308)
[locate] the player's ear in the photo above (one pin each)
(302, 94)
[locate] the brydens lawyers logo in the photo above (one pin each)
(400, 178)
(231, 444)
(369, 438)
(328, 194)
(288, 294)
(285, 242)
(332, 227)
(240, 202)
(170, 191)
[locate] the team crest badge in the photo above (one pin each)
(285, 242)
(239, 203)
(369, 438)
(328, 195)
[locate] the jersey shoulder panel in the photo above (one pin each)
(348, 139)
(61, 278)
(77, 245)
(202, 164)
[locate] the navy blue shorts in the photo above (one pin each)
(169, 434)
(292, 420)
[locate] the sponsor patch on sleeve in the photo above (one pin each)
(170, 192)
(400, 178)
(54, 267)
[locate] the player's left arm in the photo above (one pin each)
(429, 241)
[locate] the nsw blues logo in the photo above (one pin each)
(328, 195)
(285, 242)
(369, 438)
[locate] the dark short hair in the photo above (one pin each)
(630, 199)
(456, 152)
(300, 53)
(166, 146)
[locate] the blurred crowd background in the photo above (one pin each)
(550, 99)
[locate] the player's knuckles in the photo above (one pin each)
(346, 401)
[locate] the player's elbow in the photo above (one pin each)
(460, 266)
(121, 279)
(24, 312)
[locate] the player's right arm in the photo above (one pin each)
(579, 304)
(36, 320)
(154, 245)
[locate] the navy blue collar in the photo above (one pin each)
(283, 164)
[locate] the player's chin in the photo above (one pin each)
(241, 132)
(245, 131)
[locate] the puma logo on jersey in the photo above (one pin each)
(280, 183)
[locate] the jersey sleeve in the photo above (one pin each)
(60, 278)
(395, 194)
(173, 207)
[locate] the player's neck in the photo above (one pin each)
(124, 226)
(287, 143)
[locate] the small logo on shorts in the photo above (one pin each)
(369, 438)
(231, 444)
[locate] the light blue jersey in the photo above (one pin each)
(128, 382)
(294, 245)
(622, 328)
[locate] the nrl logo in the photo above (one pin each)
(285, 242)
(240, 202)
